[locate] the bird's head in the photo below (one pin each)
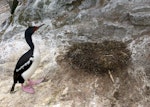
(30, 30)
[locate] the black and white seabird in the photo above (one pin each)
(27, 63)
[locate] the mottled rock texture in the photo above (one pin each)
(140, 16)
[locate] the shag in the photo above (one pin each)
(27, 63)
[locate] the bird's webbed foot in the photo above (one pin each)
(28, 89)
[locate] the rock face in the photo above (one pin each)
(140, 16)
(68, 22)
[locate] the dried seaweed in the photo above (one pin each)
(98, 57)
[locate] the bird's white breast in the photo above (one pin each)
(36, 60)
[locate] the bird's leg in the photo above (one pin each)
(35, 82)
(28, 88)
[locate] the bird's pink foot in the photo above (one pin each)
(35, 82)
(28, 89)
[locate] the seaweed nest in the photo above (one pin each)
(98, 57)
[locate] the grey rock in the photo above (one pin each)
(140, 16)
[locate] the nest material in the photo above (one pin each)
(98, 57)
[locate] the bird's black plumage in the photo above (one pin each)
(26, 60)
(21, 62)
(22, 66)
(28, 34)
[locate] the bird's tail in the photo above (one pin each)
(13, 87)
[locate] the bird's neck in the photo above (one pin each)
(30, 42)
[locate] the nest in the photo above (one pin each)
(98, 57)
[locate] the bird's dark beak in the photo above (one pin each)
(40, 25)
(37, 27)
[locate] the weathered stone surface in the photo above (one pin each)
(140, 16)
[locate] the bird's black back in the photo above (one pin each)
(22, 62)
